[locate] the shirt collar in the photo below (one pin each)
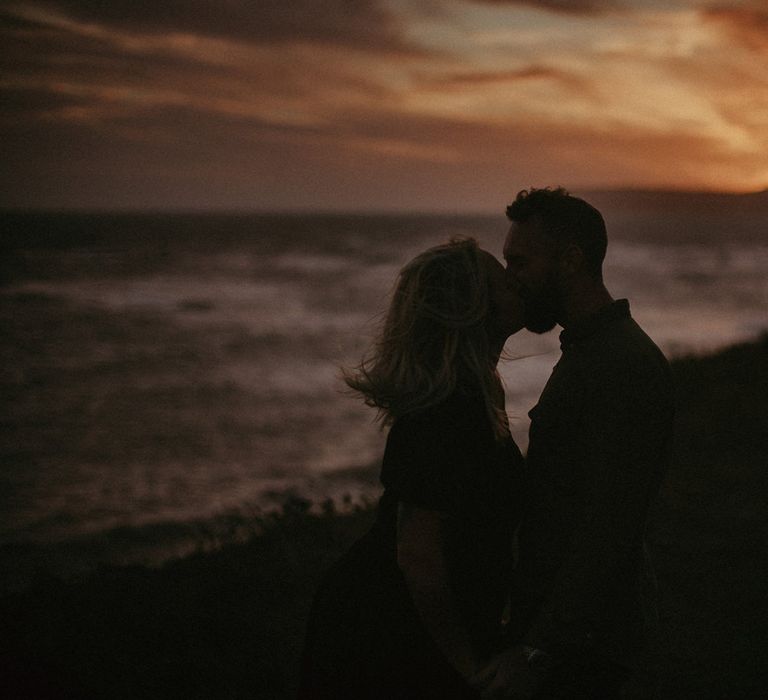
(602, 318)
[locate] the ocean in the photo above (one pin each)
(169, 379)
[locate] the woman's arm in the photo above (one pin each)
(421, 558)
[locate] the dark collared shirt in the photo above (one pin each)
(599, 442)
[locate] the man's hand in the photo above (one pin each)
(506, 675)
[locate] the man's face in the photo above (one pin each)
(506, 314)
(531, 260)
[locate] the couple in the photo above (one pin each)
(487, 575)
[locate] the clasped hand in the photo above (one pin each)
(507, 675)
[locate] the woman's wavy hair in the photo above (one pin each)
(435, 338)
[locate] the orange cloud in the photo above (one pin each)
(364, 159)
(532, 72)
(748, 25)
(152, 109)
(568, 7)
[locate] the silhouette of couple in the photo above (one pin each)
(487, 574)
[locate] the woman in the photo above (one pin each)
(414, 609)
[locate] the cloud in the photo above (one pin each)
(569, 7)
(179, 158)
(746, 24)
(493, 80)
(283, 63)
(491, 77)
(363, 24)
(115, 103)
(98, 74)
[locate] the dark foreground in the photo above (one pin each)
(229, 624)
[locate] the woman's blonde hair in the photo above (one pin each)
(435, 338)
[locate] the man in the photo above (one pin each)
(599, 440)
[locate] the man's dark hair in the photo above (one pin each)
(566, 219)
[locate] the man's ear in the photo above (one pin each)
(571, 259)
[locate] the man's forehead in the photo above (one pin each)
(523, 236)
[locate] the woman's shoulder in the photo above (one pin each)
(454, 430)
(467, 398)
(427, 452)
(448, 455)
(459, 411)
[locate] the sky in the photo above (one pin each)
(376, 105)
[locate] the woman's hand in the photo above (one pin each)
(506, 675)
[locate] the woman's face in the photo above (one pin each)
(506, 307)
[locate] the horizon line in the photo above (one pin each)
(340, 211)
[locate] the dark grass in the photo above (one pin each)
(230, 623)
(709, 534)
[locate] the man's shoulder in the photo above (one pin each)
(625, 344)
(622, 360)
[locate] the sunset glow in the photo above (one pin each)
(377, 105)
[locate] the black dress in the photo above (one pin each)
(365, 638)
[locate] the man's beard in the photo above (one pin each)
(542, 309)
